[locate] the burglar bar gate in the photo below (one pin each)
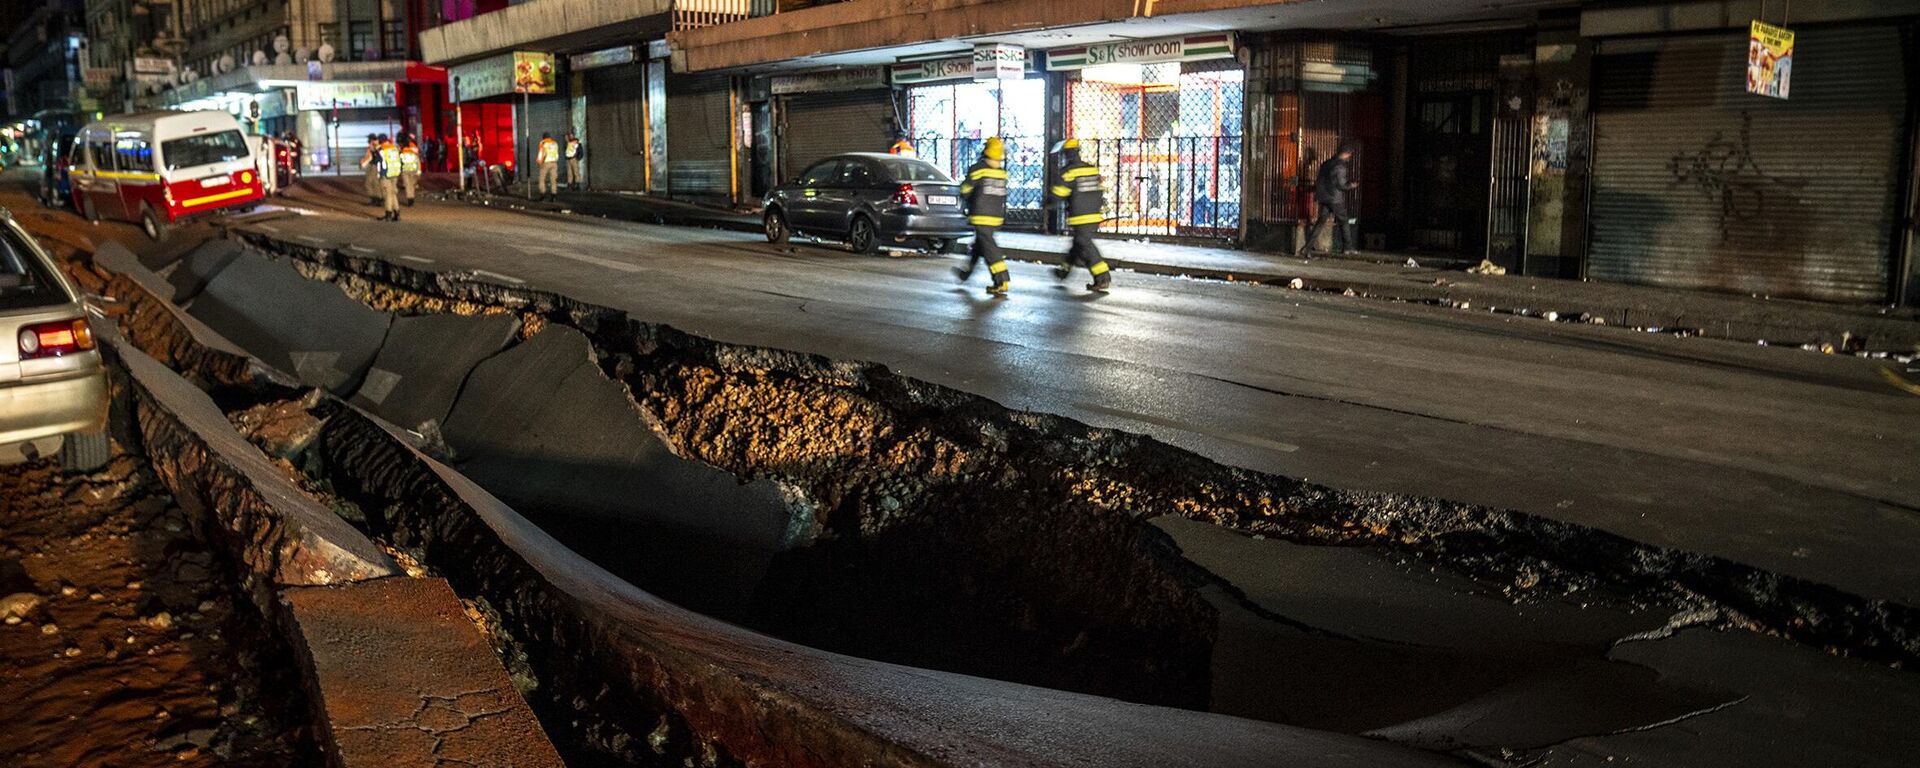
(1025, 164)
(1179, 186)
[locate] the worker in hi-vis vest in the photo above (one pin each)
(549, 161)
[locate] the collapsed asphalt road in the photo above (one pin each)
(1435, 659)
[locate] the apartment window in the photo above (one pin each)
(330, 34)
(361, 44)
(394, 39)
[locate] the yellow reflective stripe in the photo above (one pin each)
(1098, 268)
(127, 175)
(1085, 218)
(987, 221)
(1074, 173)
(997, 267)
(228, 195)
(1062, 191)
(988, 173)
(966, 188)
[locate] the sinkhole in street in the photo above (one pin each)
(841, 506)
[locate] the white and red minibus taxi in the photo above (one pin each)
(158, 168)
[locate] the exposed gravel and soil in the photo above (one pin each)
(135, 647)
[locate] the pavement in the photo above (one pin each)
(1418, 277)
(1792, 462)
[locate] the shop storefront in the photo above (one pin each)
(950, 114)
(506, 102)
(700, 149)
(1163, 120)
(1698, 183)
(830, 112)
(625, 96)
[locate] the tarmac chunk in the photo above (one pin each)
(304, 327)
(425, 360)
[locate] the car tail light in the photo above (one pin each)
(906, 196)
(55, 339)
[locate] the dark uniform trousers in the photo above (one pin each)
(1345, 236)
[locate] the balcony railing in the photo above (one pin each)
(693, 14)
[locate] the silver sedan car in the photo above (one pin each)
(53, 384)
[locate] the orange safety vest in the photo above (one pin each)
(903, 148)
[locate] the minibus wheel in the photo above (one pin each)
(151, 224)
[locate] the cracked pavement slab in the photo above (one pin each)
(405, 679)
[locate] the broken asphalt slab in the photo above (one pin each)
(424, 362)
(542, 426)
(305, 327)
(403, 677)
(191, 274)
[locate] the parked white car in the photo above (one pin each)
(53, 383)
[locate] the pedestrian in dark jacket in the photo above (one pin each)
(1332, 191)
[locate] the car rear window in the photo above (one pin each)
(204, 149)
(25, 282)
(904, 169)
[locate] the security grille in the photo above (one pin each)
(950, 122)
(1167, 138)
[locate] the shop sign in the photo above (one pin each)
(933, 70)
(517, 72)
(1188, 48)
(533, 72)
(850, 78)
(97, 77)
(344, 95)
(597, 59)
(1769, 60)
(151, 65)
(999, 61)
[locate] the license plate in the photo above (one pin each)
(942, 200)
(213, 181)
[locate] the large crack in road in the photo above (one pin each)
(920, 525)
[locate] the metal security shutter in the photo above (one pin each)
(547, 114)
(698, 144)
(824, 124)
(1698, 184)
(617, 127)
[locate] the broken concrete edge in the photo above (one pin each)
(1475, 540)
(288, 543)
(402, 677)
(758, 699)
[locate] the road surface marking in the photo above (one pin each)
(594, 260)
(498, 276)
(311, 239)
(361, 249)
(1253, 440)
(416, 259)
(267, 228)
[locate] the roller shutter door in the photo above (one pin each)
(548, 114)
(824, 124)
(617, 127)
(698, 146)
(1699, 184)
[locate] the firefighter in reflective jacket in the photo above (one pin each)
(574, 151)
(387, 160)
(902, 146)
(409, 169)
(370, 167)
(985, 190)
(1078, 188)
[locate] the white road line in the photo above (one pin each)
(266, 227)
(594, 260)
(361, 249)
(416, 259)
(498, 276)
(311, 239)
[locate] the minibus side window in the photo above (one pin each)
(133, 154)
(100, 150)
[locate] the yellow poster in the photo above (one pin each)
(532, 72)
(1769, 60)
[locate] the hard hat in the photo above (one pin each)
(994, 149)
(1066, 145)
